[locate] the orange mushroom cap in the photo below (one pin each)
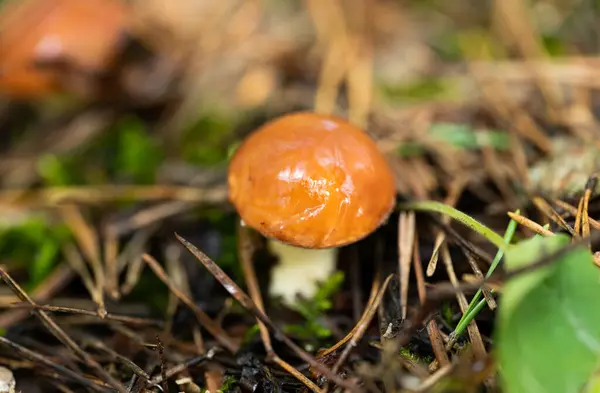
(311, 181)
(85, 33)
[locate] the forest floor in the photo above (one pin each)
(113, 198)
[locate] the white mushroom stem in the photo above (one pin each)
(299, 270)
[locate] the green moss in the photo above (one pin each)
(207, 142)
(125, 153)
(312, 310)
(34, 245)
(229, 383)
(407, 354)
(138, 154)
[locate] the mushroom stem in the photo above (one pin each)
(299, 270)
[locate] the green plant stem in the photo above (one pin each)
(469, 222)
(467, 317)
(475, 305)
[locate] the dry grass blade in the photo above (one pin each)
(577, 71)
(211, 326)
(74, 259)
(332, 36)
(177, 275)
(360, 328)
(573, 211)
(514, 24)
(41, 359)
(430, 382)
(247, 303)
(111, 251)
(341, 41)
(406, 236)
(131, 258)
(178, 368)
(498, 101)
(585, 217)
(476, 340)
(245, 251)
(60, 334)
(435, 336)
(88, 242)
(363, 324)
(151, 216)
(527, 223)
(163, 372)
(54, 196)
(454, 192)
(117, 357)
(549, 211)
(578, 216)
(374, 290)
(58, 279)
(491, 302)
(360, 62)
(109, 317)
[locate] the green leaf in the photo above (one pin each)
(465, 137)
(548, 333)
(593, 385)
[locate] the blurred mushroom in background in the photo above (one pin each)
(54, 46)
(87, 49)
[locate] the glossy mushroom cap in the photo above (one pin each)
(311, 181)
(82, 33)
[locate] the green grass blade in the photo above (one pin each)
(475, 306)
(469, 222)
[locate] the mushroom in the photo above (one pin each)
(38, 38)
(310, 183)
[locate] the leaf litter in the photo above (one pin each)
(158, 287)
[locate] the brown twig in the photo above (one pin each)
(245, 254)
(573, 211)
(41, 359)
(163, 372)
(247, 303)
(98, 344)
(549, 211)
(109, 317)
(363, 324)
(183, 366)
(60, 334)
(213, 328)
(59, 278)
(55, 196)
